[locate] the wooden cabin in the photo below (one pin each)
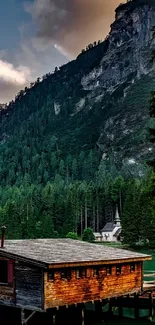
(45, 273)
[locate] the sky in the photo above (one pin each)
(38, 35)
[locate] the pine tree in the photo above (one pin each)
(88, 235)
(131, 217)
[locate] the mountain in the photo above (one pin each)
(97, 104)
(73, 144)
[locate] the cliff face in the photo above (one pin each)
(126, 73)
(101, 99)
(128, 53)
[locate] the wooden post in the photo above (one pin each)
(54, 319)
(25, 320)
(83, 315)
(151, 311)
(110, 308)
(98, 310)
(120, 308)
(136, 306)
(22, 317)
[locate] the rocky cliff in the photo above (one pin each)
(128, 53)
(101, 100)
(126, 73)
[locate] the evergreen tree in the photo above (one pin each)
(72, 235)
(88, 235)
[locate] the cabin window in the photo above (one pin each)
(81, 273)
(96, 272)
(65, 274)
(87, 273)
(118, 269)
(51, 275)
(3, 271)
(108, 270)
(132, 267)
(77, 273)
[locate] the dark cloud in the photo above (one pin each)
(72, 24)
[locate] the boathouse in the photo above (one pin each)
(46, 273)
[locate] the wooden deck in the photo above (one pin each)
(149, 285)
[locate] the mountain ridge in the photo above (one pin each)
(91, 103)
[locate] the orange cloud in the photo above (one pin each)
(73, 24)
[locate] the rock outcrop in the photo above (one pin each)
(126, 70)
(128, 53)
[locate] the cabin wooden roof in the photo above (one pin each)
(64, 252)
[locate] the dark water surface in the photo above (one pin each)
(126, 321)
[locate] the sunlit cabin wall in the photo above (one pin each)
(96, 283)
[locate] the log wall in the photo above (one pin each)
(29, 286)
(7, 295)
(60, 292)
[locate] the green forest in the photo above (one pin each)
(68, 204)
(53, 210)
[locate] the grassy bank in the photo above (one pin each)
(112, 244)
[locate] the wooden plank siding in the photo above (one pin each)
(29, 286)
(60, 292)
(7, 295)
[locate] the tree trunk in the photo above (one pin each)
(94, 221)
(97, 213)
(86, 214)
(81, 221)
(120, 202)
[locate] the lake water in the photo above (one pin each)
(126, 321)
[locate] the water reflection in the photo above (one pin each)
(125, 322)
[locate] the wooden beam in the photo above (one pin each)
(29, 317)
(98, 310)
(120, 308)
(83, 314)
(22, 317)
(54, 319)
(110, 308)
(151, 310)
(136, 306)
(100, 262)
(24, 320)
